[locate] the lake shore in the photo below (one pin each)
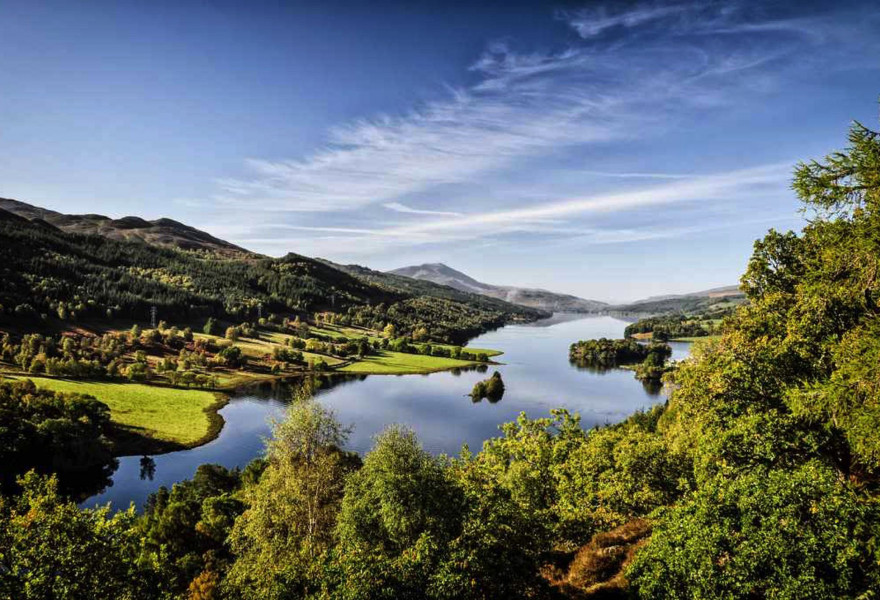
(537, 377)
(155, 417)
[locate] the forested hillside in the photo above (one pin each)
(49, 273)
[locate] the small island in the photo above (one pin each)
(491, 389)
(648, 360)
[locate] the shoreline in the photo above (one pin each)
(129, 442)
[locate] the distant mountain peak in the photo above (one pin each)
(443, 274)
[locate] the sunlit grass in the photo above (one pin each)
(165, 414)
(398, 362)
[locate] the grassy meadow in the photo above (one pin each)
(173, 417)
(390, 363)
(153, 416)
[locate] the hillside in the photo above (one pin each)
(532, 297)
(165, 233)
(51, 273)
(706, 301)
(424, 287)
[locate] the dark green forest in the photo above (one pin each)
(605, 353)
(758, 478)
(49, 274)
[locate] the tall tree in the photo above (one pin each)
(291, 514)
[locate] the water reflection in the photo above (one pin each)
(652, 387)
(148, 468)
(536, 373)
(82, 483)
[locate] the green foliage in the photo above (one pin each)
(573, 483)
(400, 494)
(287, 355)
(664, 327)
(525, 459)
(185, 531)
(850, 397)
(491, 389)
(212, 327)
(794, 533)
(69, 355)
(49, 548)
(776, 265)
(53, 432)
(846, 180)
(291, 511)
(617, 474)
(413, 526)
(605, 353)
(231, 356)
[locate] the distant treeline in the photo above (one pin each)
(666, 327)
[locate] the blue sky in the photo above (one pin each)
(606, 149)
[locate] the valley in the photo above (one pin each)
(234, 318)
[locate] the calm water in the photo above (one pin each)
(536, 373)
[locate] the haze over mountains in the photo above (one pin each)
(551, 301)
(532, 297)
(694, 302)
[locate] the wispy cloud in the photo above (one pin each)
(637, 175)
(446, 142)
(629, 74)
(593, 22)
(568, 217)
(402, 208)
(525, 105)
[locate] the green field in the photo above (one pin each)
(382, 364)
(399, 363)
(488, 353)
(173, 417)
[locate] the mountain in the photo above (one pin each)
(49, 271)
(532, 297)
(165, 233)
(424, 287)
(695, 302)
